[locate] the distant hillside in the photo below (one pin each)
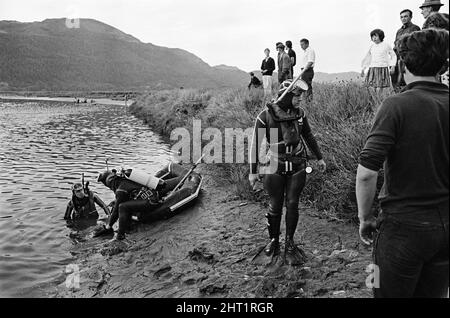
(49, 56)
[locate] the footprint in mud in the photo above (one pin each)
(199, 254)
(213, 285)
(158, 270)
(163, 270)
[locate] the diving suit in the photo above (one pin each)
(82, 204)
(286, 130)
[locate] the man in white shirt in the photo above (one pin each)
(307, 60)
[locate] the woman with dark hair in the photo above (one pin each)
(380, 60)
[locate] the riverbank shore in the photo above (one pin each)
(206, 251)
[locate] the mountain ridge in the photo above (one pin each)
(47, 55)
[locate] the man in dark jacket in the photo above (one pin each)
(407, 27)
(284, 64)
(410, 136)
(267, 68)
(292, 56)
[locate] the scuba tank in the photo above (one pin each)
(142, 178)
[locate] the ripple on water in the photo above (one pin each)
(45, 148)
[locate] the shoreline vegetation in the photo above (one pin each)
(340, 115)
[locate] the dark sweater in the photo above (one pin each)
(411, 136)
(269, 66)
(254, 81)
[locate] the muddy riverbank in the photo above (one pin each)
(206, 251)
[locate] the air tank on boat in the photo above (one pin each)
(142, 177)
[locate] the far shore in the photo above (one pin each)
(89, 101)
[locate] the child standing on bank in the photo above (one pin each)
(380, 60)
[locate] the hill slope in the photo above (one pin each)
(49, 56)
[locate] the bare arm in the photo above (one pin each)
(366, 186)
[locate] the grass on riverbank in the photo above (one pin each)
(340, 116)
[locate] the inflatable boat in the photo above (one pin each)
(173, 202)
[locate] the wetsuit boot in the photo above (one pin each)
(293, 255)
(270, 253)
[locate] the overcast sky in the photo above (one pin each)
(235, 32)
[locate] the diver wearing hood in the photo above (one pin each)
(129, 200)
(82, 204)
(285, 127)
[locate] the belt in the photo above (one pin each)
(289, 167)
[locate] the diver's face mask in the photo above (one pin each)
(79, 194)
(78, 191)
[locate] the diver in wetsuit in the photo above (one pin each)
(131, 199)
(286, 178)
(82, 204)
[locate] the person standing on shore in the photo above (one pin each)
(439, 21)
(430, 7)
(267, 68)
(308, 61)
(407, 27)
(381, 61)
(284, 64)
(285, 127)
(410, 137)
(292, 56)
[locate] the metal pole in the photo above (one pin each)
(290, 86)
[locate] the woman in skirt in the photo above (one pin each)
(380, 60)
